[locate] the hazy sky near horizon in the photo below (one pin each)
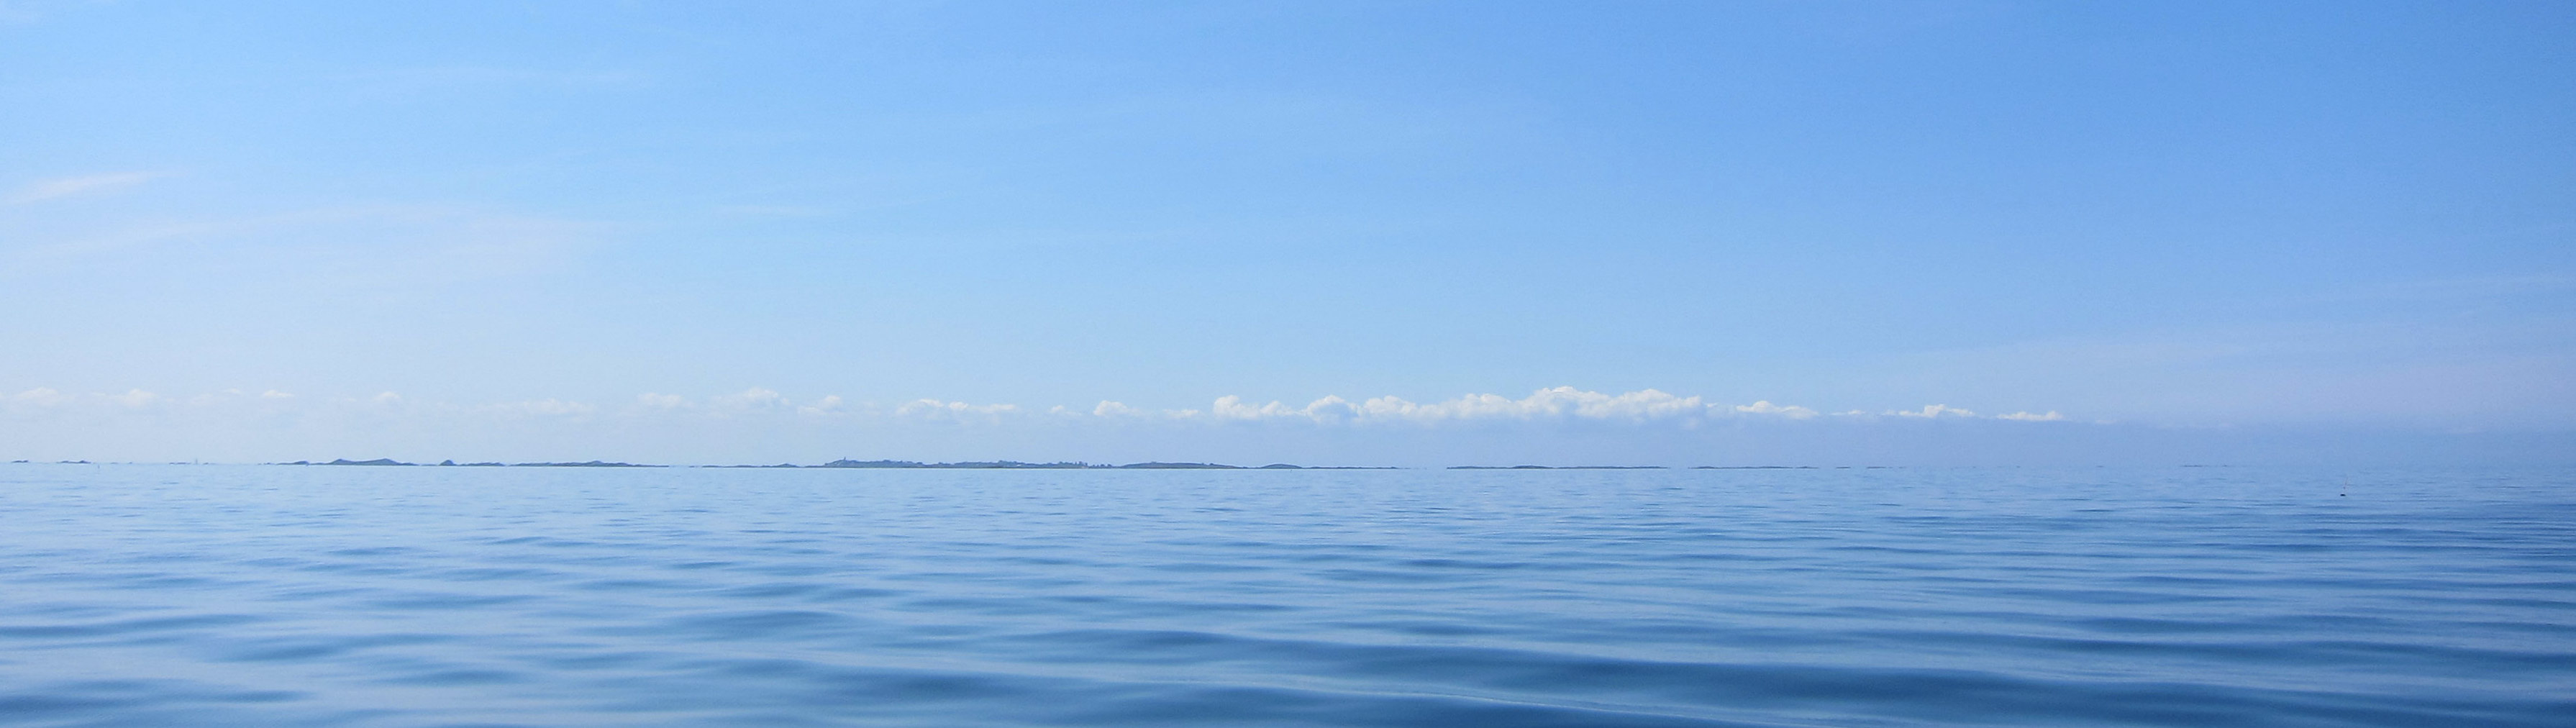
(1634, 231)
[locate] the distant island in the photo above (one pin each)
(452, 463)
(1018, 465)
(1557, 467)
(847, 463)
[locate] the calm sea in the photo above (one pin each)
(294, 596)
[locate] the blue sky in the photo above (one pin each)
(673, 231)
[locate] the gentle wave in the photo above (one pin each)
(240, 595)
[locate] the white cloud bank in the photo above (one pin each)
(1559, 404)
(1934, 411)
(1561, 426)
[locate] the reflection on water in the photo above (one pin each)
(278, 596)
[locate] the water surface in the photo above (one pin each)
(349, 596)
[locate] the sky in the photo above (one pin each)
(1339, 233)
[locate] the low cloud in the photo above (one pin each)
(1558, 424)
(754, 399)
(937, 410)
(830, 404)
(41, 397)
(1643, 407)
(1546, 403)
(1765, 407)
(751, 402)
(1934, 411)
(543, 408)
(1232, 407)
(1555, 403)
(135, 398)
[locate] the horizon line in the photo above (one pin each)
(846, 464)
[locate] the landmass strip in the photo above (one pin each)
(845, 463)
(1061, 465)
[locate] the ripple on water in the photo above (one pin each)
(279, 596)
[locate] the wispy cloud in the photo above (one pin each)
(774, 210)
(429, 82)
(88, 184)
(377, 247)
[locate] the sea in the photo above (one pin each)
(246, 595)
